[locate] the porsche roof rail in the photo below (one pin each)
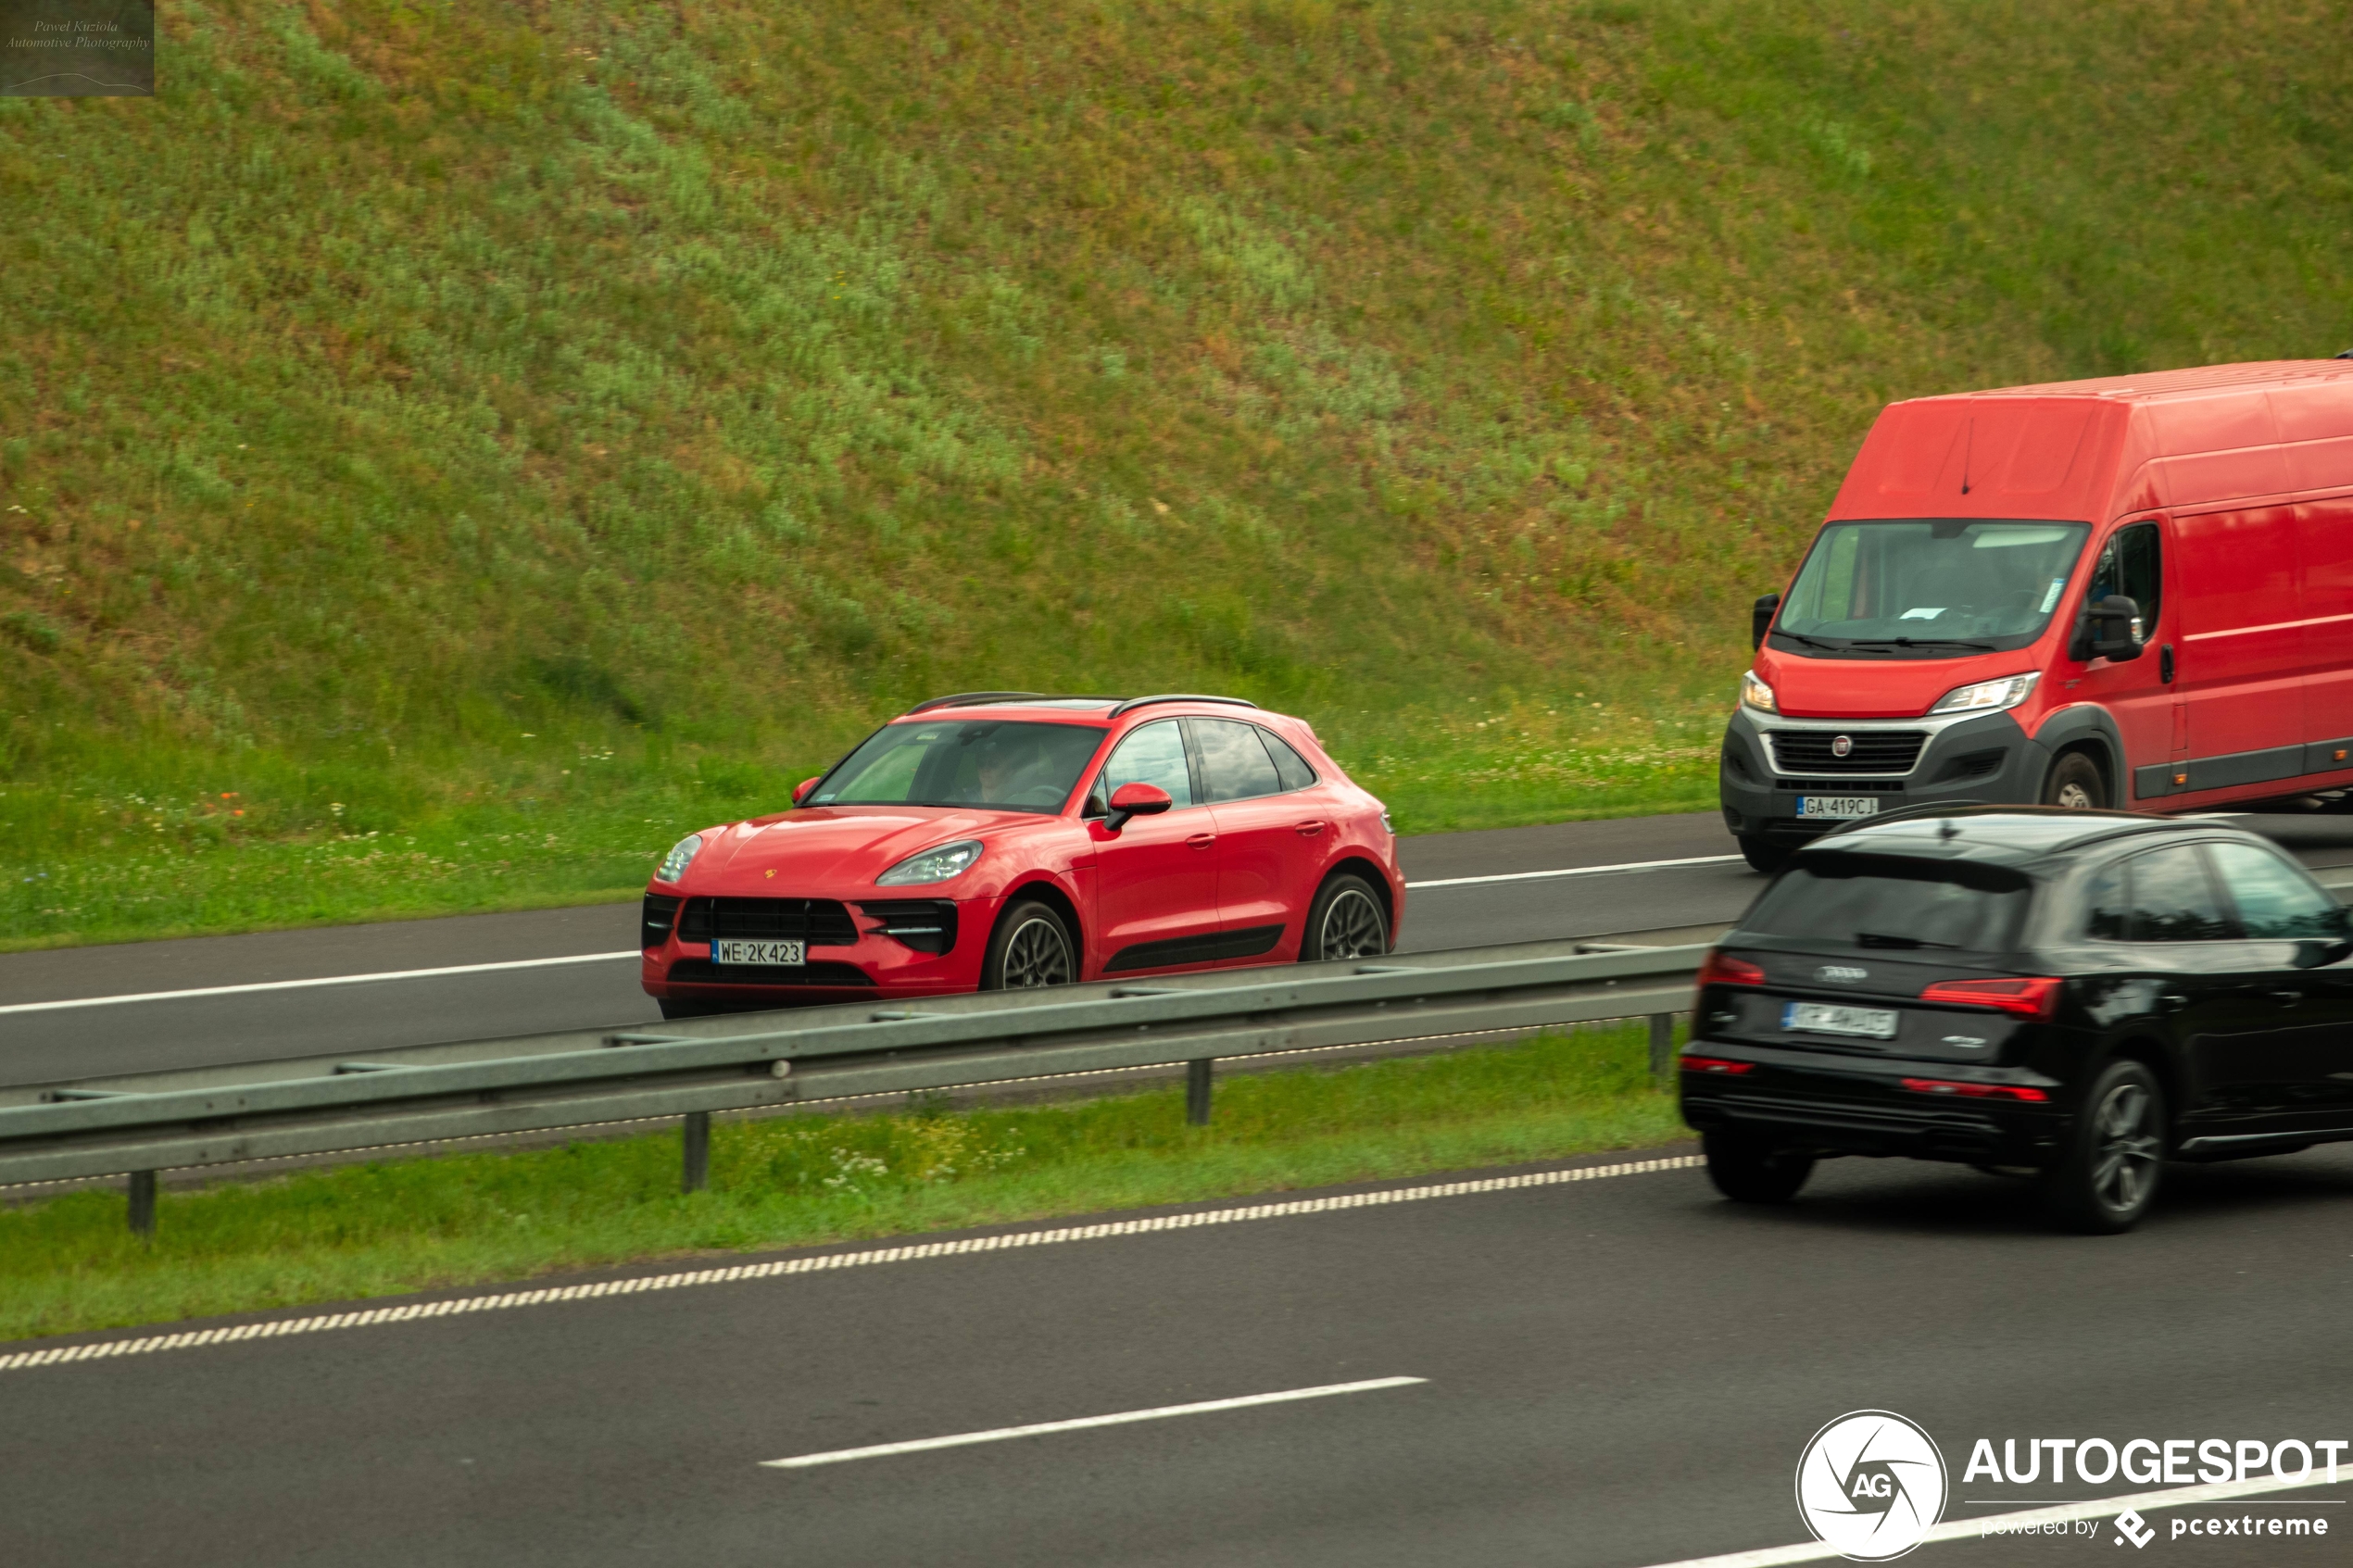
(1136, 702)
(972, 699)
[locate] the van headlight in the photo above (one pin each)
(1987, 696)
(682, 854)
(1756, 694)
(933, 865)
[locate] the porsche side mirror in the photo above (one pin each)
(1760, 618)
(2111, 629)
(1137, 799)
(801, 791)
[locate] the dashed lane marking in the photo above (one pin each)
(1039, 1429)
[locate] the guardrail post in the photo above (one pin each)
(142, 1204)
(1197, 1090)
(1662, 1043)
(697, 1175)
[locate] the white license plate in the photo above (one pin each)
(737, 950)
(1838, 805)
(1830, 1018)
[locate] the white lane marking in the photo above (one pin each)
(2057, 1513)
(306, 985)
(373, 1316)
(1001, 1434)
(1576, 871)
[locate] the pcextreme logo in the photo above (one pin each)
(1872, 1485)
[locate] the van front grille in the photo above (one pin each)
(1869, 751)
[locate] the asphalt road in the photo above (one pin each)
(1618, 1372)
(1454, 904)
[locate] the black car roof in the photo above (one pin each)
(2010, 835)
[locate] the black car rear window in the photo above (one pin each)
(1881, 901)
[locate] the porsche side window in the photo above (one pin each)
(1153, 755)
(1234, 763)
(1288, 765)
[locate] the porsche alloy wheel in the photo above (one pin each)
(1030, 948)
(1346, 922)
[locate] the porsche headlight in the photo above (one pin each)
(1988, 696)
(682, 854)
(1756, 694)
(933, 865)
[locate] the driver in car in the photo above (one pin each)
(1016, 769)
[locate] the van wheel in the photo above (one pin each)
(1748, 1170)
(2075, 784)
(1031, 948)
(1762, 854)
(2107, 1178)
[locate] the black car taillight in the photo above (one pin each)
(2020, 1092)
(1717, 969)
(929, 925)
(2035, 998)
(662, 910)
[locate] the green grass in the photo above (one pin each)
(70, 1263)
(416, 400)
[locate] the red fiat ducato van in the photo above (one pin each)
(2134, 592)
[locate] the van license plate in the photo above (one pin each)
(1829, 1017)
(763, 953)
(1840, 805)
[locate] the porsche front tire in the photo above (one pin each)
(1031, 946)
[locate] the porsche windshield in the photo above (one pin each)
(999, 764)
(1937, 588)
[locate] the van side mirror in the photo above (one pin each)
(1760, 618)
(1136, 799)
(2111, 629)
(801, 791)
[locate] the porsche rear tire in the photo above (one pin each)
(1031, 948)
(1347, 921)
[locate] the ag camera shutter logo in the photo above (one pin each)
(1872, 1485)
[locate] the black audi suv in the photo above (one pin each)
(2081, 996)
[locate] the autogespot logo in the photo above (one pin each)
(1870, 1485)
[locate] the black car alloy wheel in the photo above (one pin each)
(2109, 1174)
(1031, 949)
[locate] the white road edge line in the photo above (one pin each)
(1001, 1434)
(306, 985)
(412, 1311)
(2057, 1513)
(1575, 870)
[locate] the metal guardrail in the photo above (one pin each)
(143, 1124)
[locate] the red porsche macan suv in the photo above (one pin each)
(1002, 840)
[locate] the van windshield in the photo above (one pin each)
(1933, 588)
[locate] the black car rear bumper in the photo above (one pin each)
(1836, 1105)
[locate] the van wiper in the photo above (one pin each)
(1887, 939)
(1810, 642)
(1920, 642)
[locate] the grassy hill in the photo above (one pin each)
(446, 450)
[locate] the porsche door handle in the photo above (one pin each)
(1308, 830)
(1201, 841)
(2173, 1001)
(2288, 998)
